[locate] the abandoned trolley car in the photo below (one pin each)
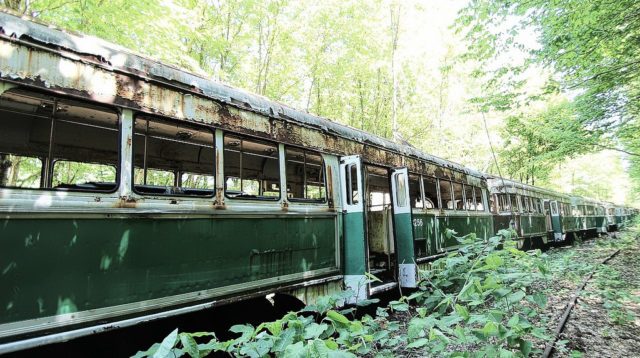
(131, 190)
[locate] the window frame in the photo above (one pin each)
(325, 200)
(176, 173)
(420, 190)
(451, 195)
(438, 203)
(280, 179)
(46, 169)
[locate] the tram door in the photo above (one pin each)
(403, 227)
(556, 222)
(351, 190)
(381, 243)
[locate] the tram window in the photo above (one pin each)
(351, 177)
(526, 204)
(503, 203)
(469, 201)
(458, 198)
(20, 172)
(172, 158)
(305, 175)
(401, 190)
(155, 177)
(514, 202)
(431, 193)
(39, 131)
(446, 193)
(414, 192)
(251, 168)
(197, 181)
(67, 174)
(478, 198)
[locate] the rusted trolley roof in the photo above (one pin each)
(119, 59)
(497, 184)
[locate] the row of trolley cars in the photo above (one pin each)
(131, 190)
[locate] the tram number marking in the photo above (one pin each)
(418, 222)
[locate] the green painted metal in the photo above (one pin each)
(354, 244)
(570, 223)
(557, 224)
(56, 266)
(424, 234)
(533, 225)
(482, 226)
(404, 237)
(430, 231)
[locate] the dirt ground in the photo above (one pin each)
(605, 321)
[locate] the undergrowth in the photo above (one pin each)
(475, 302)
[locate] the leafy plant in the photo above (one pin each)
(476, 301)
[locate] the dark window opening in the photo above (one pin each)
(514, 202)
(414, 192)
(51, 142)
(469, 200)
(172, 158)
(446, 195)
(431, 193)
(305, 175)
(503, 203)
(458, 198)
(478, 198)
(251, 168)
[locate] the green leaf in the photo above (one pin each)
(149, 352)
(494, 261)
(421, 342)
(367, 302)
(337, 317)
(435, 333)
(516, 296)
(284, 340)
(399, 306)
(296, 350)
(539, 299)
(314, 330)
(167, 345)
(462, 311)
(189, 345)
(490, 329)
(513, 321)
(525, 348)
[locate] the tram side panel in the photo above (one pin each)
(75, 251)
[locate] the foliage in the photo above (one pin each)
(589, 52)
(473, 302)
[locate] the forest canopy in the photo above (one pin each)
(553, 84)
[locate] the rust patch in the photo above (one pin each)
(126, 202)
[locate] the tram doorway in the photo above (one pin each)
(381, 243)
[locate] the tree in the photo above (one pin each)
(590, 49)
